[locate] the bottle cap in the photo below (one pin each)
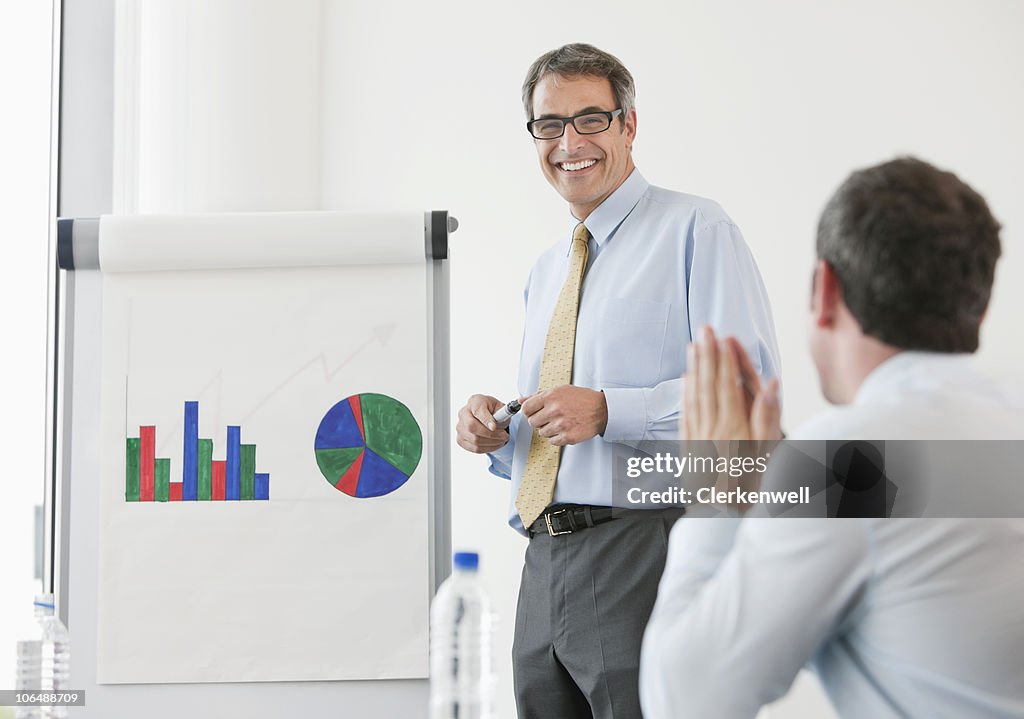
(467, 560)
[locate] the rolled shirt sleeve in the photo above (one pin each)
(724, 291)
(643, 414)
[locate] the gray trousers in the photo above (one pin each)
(584, 601)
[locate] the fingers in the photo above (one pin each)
(482, 408)
(476, 430)
(559, 432)
(537, 408)
(484, 416)
(478, 443)
(532, 404)
(543, 416)
(730, 386)
(690, 423)
(748, 374)
(475, 437)
(566, 414)
(549, 430)
(707, 380)
(766, 414)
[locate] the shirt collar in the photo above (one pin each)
(904, 367)
(607, 216)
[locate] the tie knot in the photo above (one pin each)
(581, 234)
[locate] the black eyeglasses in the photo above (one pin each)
(586, 123)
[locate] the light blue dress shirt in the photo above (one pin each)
(920, 618)
(661, 265)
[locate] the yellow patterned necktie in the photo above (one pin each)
(538, 483)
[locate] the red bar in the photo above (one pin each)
(147, 462)
(217, 488)
(174, 492)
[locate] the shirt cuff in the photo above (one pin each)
(501, 460)
(627, 414)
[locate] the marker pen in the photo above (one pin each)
(505, 413)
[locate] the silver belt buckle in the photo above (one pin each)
(551, 529)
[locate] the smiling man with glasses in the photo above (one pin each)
(610, 309)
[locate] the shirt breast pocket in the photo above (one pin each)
(632, 340)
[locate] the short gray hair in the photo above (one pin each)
(581, 60)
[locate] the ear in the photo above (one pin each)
(630, 128)
(826, 295)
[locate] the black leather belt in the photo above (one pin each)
(568, 519)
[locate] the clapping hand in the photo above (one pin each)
(723, 397)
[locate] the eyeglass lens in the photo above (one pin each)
(589, 124)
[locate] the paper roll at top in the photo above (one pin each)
(140, 243)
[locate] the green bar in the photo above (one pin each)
(131, 472)
(162, 480)
(205, 468)
(248, 470)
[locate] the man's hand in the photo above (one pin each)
(476, 430)
(723, 396)
(567, 414)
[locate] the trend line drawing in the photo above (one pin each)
(380, 334)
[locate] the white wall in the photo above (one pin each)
(24, 195)
(764, 107)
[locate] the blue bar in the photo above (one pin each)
(233, 468)
(261, 486)
(190, 473)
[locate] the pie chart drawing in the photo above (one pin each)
(368, 445)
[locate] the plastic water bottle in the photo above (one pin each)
(460, 645)
(44, 665)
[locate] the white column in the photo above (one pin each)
(217, 106)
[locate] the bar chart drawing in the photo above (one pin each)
(368, 445)
(203, 478)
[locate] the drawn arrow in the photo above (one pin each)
(380, 334)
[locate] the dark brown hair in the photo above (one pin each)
(915, 250)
